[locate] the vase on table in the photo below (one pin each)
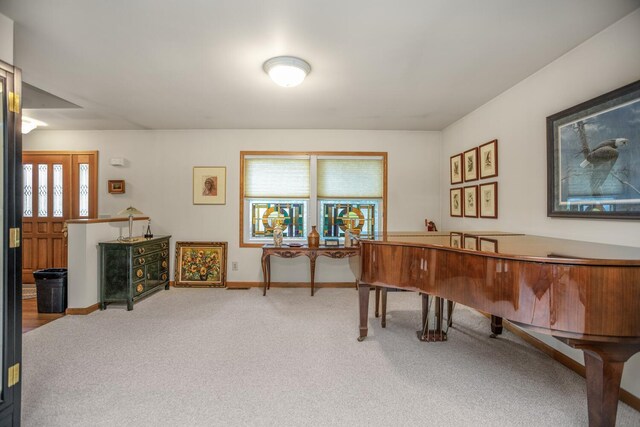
(277, 235)
(313, 238)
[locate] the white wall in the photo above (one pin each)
(6, 39)
(158, 175)
(516, 118)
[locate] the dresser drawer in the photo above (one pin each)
(151, 247)
(153, 257)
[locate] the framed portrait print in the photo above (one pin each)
(488, 200)
(593, 157)
(488, 159)
(455, 239)
(488, 245)
(455, 202)
(202, 264)
(470, 242)
(470, 164)
(209, 185)
(116, 186)
(470, 199)
(455, 169)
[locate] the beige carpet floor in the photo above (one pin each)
(216, 357)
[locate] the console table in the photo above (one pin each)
(285, 251)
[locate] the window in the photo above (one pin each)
(297, 190)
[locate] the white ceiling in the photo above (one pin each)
(376, 64)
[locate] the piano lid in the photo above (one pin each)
(518, 246)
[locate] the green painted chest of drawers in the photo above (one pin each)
(132, 270)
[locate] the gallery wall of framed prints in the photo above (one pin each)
(477, 163)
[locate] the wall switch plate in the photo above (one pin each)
(234, 266)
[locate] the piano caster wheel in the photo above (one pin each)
(360, 339)
(493, 336)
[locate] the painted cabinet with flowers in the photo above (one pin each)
(133, 269)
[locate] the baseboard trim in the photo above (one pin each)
(577, 367)
(82, 311)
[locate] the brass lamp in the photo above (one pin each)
(130, 212)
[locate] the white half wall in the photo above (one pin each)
(6, 39)
(517, 118)
(158, 173)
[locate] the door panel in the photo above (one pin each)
(10, 251)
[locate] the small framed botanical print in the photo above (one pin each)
(455, 202)
(470, 164)
(488, 200)
(488, 159)
(455, 169)
(471, 242)
(470, 201)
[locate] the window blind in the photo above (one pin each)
(350, 178)
(276, 177)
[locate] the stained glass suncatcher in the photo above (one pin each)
(337, 215)
(265, 215)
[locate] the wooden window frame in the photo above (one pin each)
(243, 154)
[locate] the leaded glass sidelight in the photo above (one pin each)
(335, 215)
(43, 191)
(84, 189)
(57, 191)
(27, 190)
(265, 215)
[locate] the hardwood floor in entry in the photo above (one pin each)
(31, 319)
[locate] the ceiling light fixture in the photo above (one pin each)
(29, 124)
(287, 71)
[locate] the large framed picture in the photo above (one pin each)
(470, 202)
(455, 169)
(470, 164)
(593, 157)
(488, 159)
(209, 185)
(201, 264)
(455, 202)
(488, 200)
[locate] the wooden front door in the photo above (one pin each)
(57, 186)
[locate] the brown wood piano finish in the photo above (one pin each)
(585, 294)
(285, 251)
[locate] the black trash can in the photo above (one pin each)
(51, 287)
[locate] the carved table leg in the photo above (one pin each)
(496, 326)
(604, 363)
(363, 294)
(265, 273)
(383, 321)
(312, 263)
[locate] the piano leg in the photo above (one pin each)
(383, 321)
(604, 363)
(363, 294)
(496, 326)
(377, 301)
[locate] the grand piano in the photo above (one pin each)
(586, 295)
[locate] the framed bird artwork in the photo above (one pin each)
(593, 157)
